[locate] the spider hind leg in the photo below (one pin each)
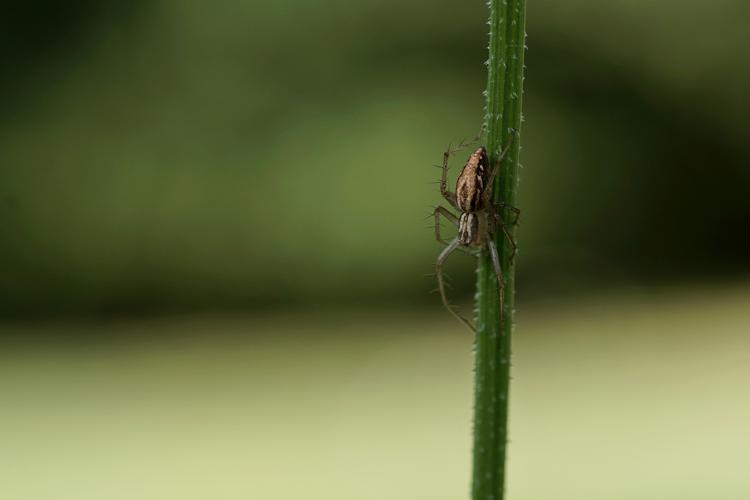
(441, 281)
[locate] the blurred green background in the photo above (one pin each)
(214, 250)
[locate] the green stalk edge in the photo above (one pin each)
(493, 336)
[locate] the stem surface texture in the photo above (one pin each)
(502, 123)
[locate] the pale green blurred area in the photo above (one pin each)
(637, 396)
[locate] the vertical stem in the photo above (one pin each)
(494, 327)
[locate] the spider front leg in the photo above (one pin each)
(465, 144)
(448, 195)
(441, 286)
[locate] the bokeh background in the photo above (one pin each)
(214, 248)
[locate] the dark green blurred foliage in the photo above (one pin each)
(166, 154)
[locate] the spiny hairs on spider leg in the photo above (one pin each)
(478, 220)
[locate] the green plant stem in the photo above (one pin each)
(494, 327)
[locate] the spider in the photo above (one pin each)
(480, 217)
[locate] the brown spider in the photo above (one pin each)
(479, 220)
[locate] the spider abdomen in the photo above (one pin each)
(470, 185)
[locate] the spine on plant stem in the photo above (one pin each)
(493, 327)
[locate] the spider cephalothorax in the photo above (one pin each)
(479, 219)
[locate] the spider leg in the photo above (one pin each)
(464, 144)
(499, 223)
(510, 240)
(448, 215)
(441, 286)
(448, 195)
(516, 212)
(498, 274)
